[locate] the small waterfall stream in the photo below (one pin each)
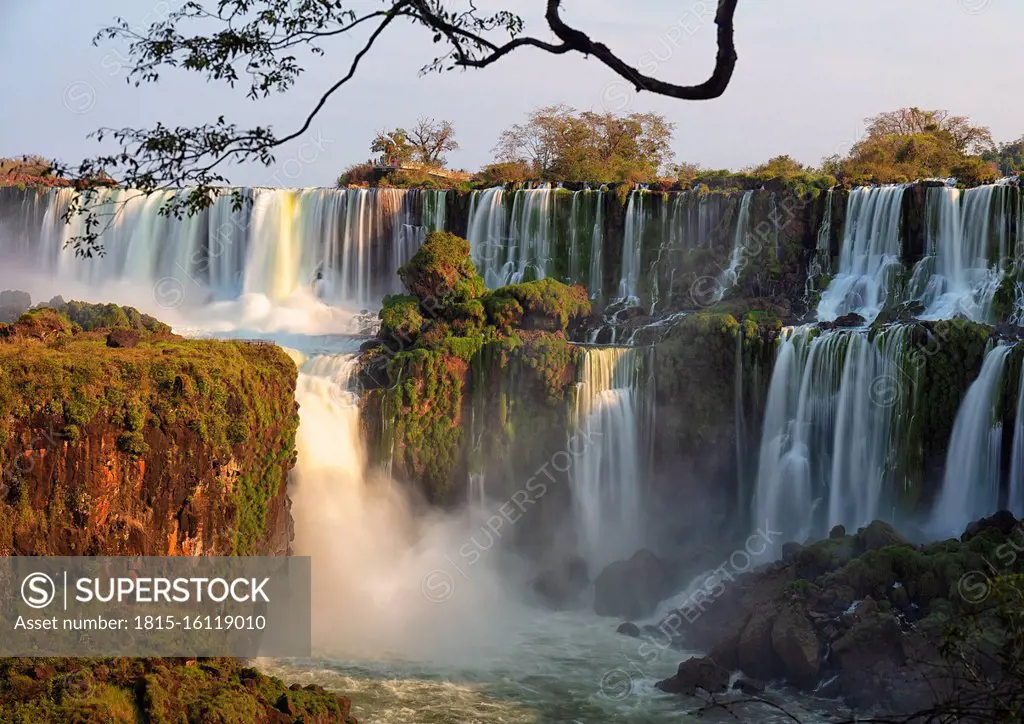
(606, 477)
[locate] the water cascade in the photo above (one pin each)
(1016, 499)
(869, 256)
(512, 242)
(730, 276)
(828, 441)
(607, 474)
(968, 235)
(638, 213)
(343, 245)
(970, 485)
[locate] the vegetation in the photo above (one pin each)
(911, 143)
(163, 395)
(427, 142)
(127, 691)
(435, 344)
(559, 142)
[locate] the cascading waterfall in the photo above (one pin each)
(827, 446)
(970, 485)
(728, 278)
(511, 245)
(968, 234)
(870, 254)
(586, 240)
(343, 245)
(821, 263)
(606, 475)
(638, 213)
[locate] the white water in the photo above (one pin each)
(970, 485)
(637, 215)
(342, 246)
(606, 477)
(870, 254)
(828, 440)
(728, 278)
(968, 234)
(512, 245)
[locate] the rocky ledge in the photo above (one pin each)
(869, 618)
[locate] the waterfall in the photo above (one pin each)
(870, 254)
(968, 235)
(512, 245)
(970, 485)
(606, 476)
(586, 240)
(821, 263)
(343, 245)
(637, 215)
(827, 446)
(728, 278)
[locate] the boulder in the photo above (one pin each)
(838, 531)
(696, 673)
(790, 549)
(632, 588)
(750, 687)
(797, 647)
(755, 653)
(1003, 521)
(628, 629)
(878, 534)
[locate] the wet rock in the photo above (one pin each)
(696, 673)
(756, 653)
(796, 645)
(751, 687)
(790, 549)
(632, 588)
(1003, 521)
(838, 531)
(878, 534)
(628, 629)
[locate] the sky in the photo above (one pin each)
(809, 73)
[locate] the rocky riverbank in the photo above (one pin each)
(868, 617)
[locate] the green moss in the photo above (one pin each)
(546, 304)
(400, 318)
(442, 267)
(166, 393)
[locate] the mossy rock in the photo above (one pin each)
(546, 304)
(441, 267)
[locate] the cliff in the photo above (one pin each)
(158, 446)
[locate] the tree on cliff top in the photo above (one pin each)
(912, 143)
(261, 43)
(561, 142)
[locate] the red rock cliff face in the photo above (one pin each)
(174, 447)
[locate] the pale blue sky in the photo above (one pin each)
(808, 74)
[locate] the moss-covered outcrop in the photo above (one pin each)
(884, 610)
(134, 691)
(170, 446)
(449, 341)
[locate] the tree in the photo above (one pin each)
(267, 42)
(431, 139)
(911, 143)
(560, 142)
(393, 145)
(1009, 157)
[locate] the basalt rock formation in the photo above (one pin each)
(165, 446)
(120, 438)
(868, 616)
